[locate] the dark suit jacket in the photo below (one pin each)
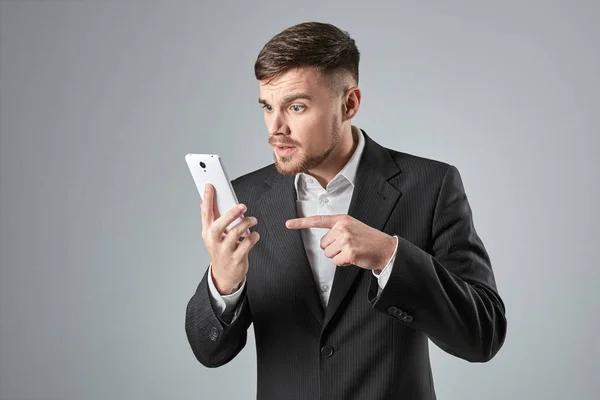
(362, 346)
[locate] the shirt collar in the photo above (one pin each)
(349, 170)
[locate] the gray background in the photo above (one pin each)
(100, 222)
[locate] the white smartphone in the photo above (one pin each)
(208, 168)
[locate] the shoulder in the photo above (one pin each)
(255, 182)
(425, 178)
(261, 174)
(421, 167)
(411, 165)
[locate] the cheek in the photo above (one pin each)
(266, 118)
(313, 128)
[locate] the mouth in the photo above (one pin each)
(284, 151)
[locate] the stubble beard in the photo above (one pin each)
(287, 166)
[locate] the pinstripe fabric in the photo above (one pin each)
(361, 346)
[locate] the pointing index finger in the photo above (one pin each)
(316, 221)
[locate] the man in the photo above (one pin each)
(365, 253)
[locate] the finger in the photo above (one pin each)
(215, 206)
(333, 249)
(328, 238)
(204, 215)
(219, 225)
(248, 243)
(239, 230)
(207, 207)
(316, 221)
(342, 260)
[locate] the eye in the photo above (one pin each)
(267, 107)
(297, 108)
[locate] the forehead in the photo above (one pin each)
(298, 80)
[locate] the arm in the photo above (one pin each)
(384, 275)
(225, 306)
(214, 341)
(451, 294)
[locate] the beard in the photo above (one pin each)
(289, 166)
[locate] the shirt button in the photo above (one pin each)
(324, 287)
(327, 351)
(309, 180)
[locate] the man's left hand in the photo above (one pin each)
(349, 241)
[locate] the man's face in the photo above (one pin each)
(303, 114)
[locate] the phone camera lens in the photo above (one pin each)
(202, 164)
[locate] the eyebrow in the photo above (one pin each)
(290, 98)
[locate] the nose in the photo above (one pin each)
(276, 124)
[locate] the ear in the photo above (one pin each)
(350, 103)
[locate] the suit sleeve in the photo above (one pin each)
(225, 306)
(213, 340)
(450, 294)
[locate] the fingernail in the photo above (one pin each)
(242, 207)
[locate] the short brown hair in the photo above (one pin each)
(322, 46)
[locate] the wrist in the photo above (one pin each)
(226, 287)
(390, 250)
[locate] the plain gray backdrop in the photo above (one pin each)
(101, 242)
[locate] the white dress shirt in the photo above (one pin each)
(313, 199)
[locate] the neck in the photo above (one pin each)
(338, 158)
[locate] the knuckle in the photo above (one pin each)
(246, 223)
(343, 240)
(252, 239)
(238, 231)
(351, 253)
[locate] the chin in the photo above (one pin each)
(286, 166)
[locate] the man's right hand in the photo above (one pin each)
(228, 255)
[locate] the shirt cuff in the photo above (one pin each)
(385, 273)
(224, 303)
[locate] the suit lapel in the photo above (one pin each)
(280, 205)
(373, 199)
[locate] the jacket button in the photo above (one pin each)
(214, 334)
(408, 319)
(392, 310)
(327, 351)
